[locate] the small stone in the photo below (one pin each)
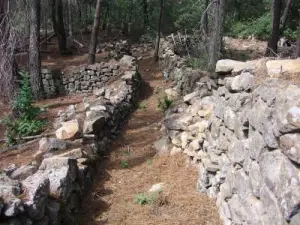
(51, 144)
(157, 187)
(23, 172)
(162, 146)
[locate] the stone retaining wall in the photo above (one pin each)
(84, 78)
(49, 189)
(245, 140)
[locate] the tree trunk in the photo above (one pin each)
(156, 57)
(8, 65)
(34, 49)
(206, 18)
(285, 14)
(298, 40)
(216, 34)
(58, 25)
(94, 35)
(146, 16)
(70, 17)
(272, 43)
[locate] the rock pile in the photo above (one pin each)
(49, 189)
(51, 85)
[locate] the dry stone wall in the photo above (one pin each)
(49, 189)
(244, 138)
(84, 78)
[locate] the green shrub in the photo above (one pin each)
(145, 199)
(124, 164)
(24, 120)
(164, 104)
(260, 28)
(195, 63)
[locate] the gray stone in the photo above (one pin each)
(23, 172)
(282, 178)
(99, 92)
(243, 82)
(178, 122)
(37, 191)
(94, 122)
(290, 145)
(13, 207)
(255, 178)
(62, 173)
(189, 97)
(162, 146)
(51, 144)
(237, 151)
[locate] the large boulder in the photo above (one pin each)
(37, 189)
(51, 144)
(94, 122)
(276, 68)
(227, 66)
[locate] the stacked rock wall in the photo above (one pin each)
(84, 78)
(50, 188)
(185, 79)
(245, 140)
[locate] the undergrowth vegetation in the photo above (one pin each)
(164, 103)
(24, 120)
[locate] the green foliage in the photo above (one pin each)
(26, 122)
(260, 28)
(142, 105)
(149, 162)
(196, 63)
(145, 199)
(164, 104)
(124, 164)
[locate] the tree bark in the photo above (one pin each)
(8, 65)
(298, 40)
(70, 18)
(216, 34)
(94, 35)
(34, 49)
(146, 16)
(272, 43)
(206, 18)
(156, 57)
(58, 25)
(285, 14)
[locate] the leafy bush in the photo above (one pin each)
(24, 121)
(195, 63)
(124, 164)
(164, 104)
(144, 199)
(260, 28)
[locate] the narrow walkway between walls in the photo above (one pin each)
(131, 168)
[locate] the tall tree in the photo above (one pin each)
(146, 16)
(285, 14)
(272, 43)
(34, 49)
(58, 25)
(94, 36)
(70, 18)
(159, 26)
(298, 40)
(216, 34)
(8, 66)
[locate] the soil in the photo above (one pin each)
(131, 167)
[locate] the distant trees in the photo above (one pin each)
(94, 35)
(34, 49)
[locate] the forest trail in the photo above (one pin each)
(131, 168)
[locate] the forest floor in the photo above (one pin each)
(131, 168)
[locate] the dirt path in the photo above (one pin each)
(132, 168)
